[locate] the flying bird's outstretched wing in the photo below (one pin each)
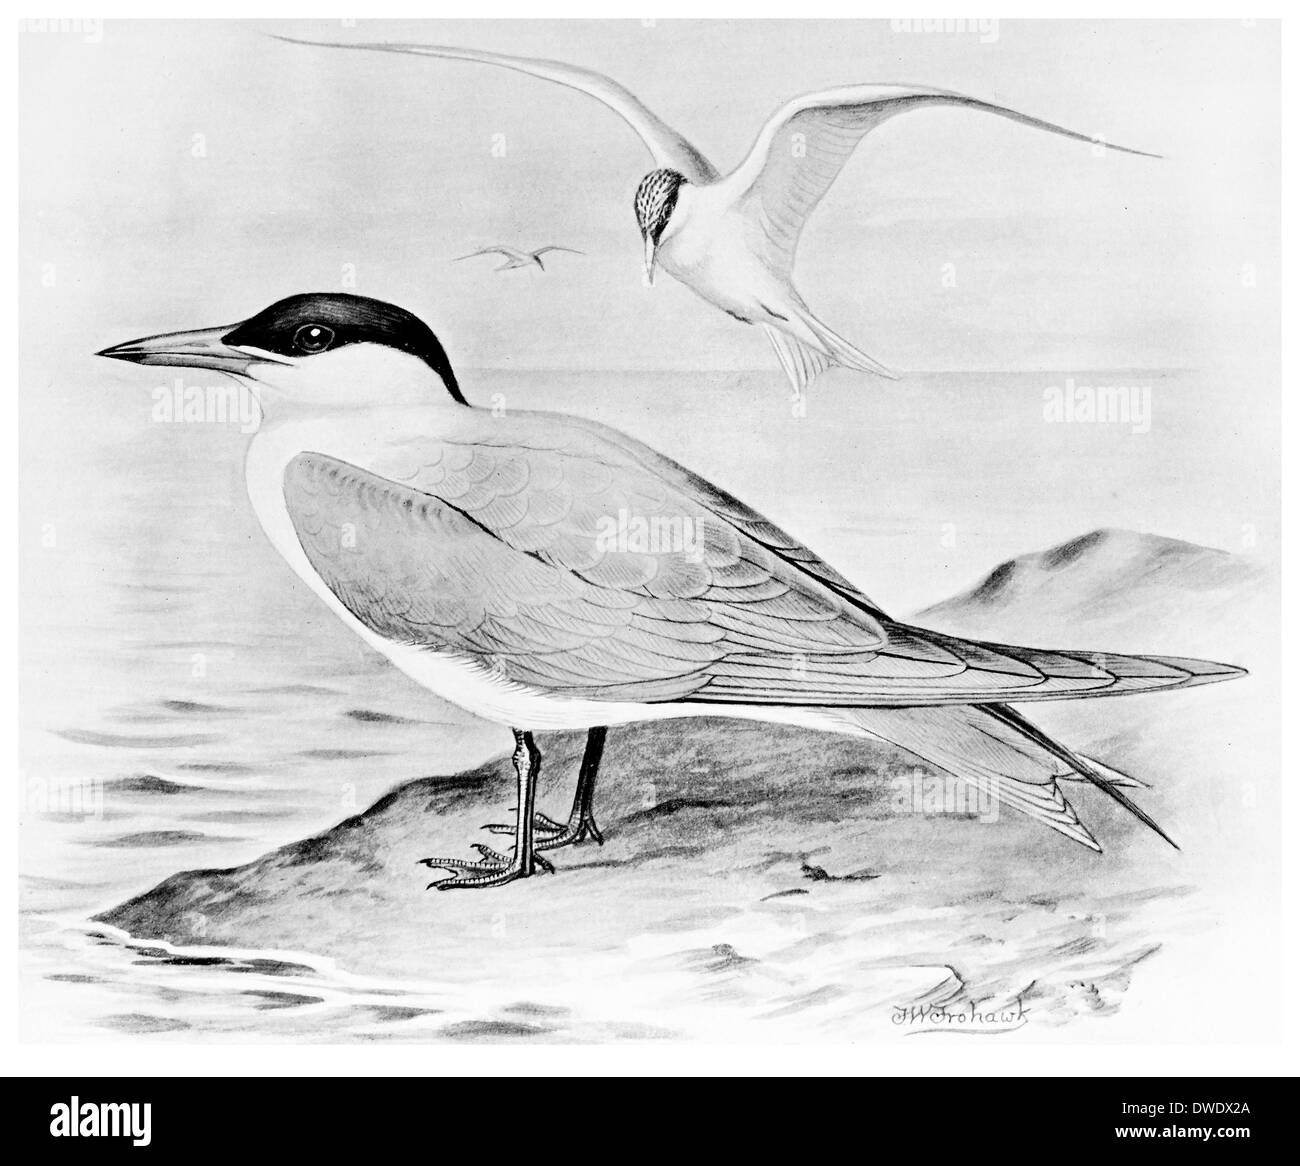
(508, 252)
(570, 250)
(666, 145)
(803, 147)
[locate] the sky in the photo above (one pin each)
(182, 173)
(186, 174)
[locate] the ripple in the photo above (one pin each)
(264, 999)
(298, 690)
(216, 767)
(234, 817)
(142, 1022)
(492, 1030)
(126, 741)
(151, 838)
(192, 706)
(373, 717)
(340, 754)
(151, 783)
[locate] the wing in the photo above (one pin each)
(703, 494)
(506, 251)
(570, 250)
(532, 564)
(802, 149)
(666, 145)
(583, 575)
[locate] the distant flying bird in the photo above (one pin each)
(515, 257)
(480, 554)
(732, 239)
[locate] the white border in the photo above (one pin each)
(678, 1059)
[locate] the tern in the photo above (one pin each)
(732, 239)
(515, 257)
(547, 572)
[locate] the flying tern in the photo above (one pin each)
(515, 257)
(489, 558)
(732, 239)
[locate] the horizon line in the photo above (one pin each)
(904, 373)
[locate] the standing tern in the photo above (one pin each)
(732, 239)
(489, 558)
(516, 258)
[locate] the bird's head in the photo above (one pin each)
(318, 350)
(656, 198)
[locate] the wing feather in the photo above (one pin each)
(666, 145)
(803, 147)
(553, 600)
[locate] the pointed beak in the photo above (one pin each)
(205, 348)
(650, 248)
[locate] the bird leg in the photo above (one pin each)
(550, 834)
(493, 869)
(582, 821)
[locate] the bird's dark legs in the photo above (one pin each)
(550, 834)
(582, 822)
(493, 869)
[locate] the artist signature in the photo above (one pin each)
(967, 1017)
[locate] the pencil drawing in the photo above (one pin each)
(732, 238)
(419, 580)
(515, 257)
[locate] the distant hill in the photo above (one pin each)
(1143, 592)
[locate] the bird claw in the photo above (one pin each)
(493, 869)
(551, 835)
(574, 832)
(542, 826)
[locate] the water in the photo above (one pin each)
(186, 704)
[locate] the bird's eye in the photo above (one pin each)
(313, 338)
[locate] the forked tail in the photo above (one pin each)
(841, 352)
(803, 359)
(998, 752)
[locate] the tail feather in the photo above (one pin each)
(980, 752)
(804, 357)
(801, 363)
(841, 352)
(1114, 776)
(1013, 719)
(997, 751)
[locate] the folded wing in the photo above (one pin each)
(529, 573)
(589, 577)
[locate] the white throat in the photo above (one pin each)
(356, 376)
